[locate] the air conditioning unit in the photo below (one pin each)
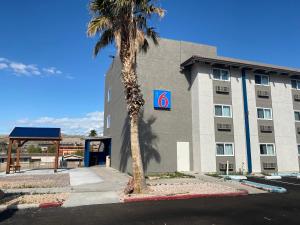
(266, 129)
(223, 167)
(297, 98)
(263, 94)
(269, 166)
(222, 89)
(224, 127)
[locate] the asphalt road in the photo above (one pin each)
(252, 209)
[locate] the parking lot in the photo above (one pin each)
(292, 184)
(268, 208)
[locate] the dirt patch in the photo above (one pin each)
(182, 187)
(35, 181)
(15, 199)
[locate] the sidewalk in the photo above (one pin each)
(95, 185)
(81, 186)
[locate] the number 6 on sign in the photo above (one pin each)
(162, 99)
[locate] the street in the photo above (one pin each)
(251, 209)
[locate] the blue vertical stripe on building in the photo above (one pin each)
(87, 153)
(246, 114)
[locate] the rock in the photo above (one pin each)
(129, 187)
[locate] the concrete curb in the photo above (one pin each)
(188, 196)
(30, 206)
(17, 207)
(266, 187)
(50, 204)
(273, 177)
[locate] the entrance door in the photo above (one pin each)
(183, 156)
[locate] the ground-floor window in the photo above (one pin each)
(224, 149)
(267, 149)
(297, 115)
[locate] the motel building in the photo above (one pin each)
(204, 112)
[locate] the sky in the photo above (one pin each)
(49, 77)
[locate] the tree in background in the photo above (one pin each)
(3, 147)
(93, 133)
(125, 23)
(34, 149)
(51, 149)
(79, 153)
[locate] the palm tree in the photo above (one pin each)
(125, 23)
(93, 133)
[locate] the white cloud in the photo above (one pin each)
(3, 66)
(69, 125)
(22, 69)
(52, 70)
(3, 60)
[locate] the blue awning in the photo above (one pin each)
(35, 133)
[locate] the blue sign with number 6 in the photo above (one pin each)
(162, 99)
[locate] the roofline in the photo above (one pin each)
(97, 138)
(36, 138)
(243, 64)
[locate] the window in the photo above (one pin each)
(297, 115)
(262, 79)
(108, 121)
(295, 84)
(298, 149)
(222, 110)
(267, 149)
(264, 113)
(221, 74)
(108, 95)
(224, 149)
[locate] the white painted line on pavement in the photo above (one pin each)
(284, 182)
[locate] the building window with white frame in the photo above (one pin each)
(297, 116)
(264, 113)
(223, 111)
(224, 149)
(295, 84)
(267, 149)
(221, 74)
(108, 121)
(108, 94)
(299, 150)
(262, 79)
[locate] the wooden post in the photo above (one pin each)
(56, 156)
(18, 154)
(8, 161)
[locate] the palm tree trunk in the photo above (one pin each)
(137, 164)
(134, 101)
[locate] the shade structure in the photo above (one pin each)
(20, 135)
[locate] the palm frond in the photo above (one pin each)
(98, 24)
(105, 39)
(122, 21)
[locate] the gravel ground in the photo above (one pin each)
(35, 181)
(169, 187)
(33, 199)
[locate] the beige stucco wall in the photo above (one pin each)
(238, 121)
(284, 124)
(205, 122)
